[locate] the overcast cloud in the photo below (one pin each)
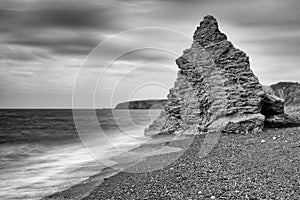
(43, 44)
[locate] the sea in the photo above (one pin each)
(43, 151)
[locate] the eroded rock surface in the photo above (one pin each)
(215, 90)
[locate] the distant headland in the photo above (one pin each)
(143, 104)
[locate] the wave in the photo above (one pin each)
(41, 152)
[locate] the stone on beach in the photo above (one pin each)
(216, 90)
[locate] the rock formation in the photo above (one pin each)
(215, 90)
(143, 104)
(288, 91)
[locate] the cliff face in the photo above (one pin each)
(215, 89)
(143, 104)
(288, 91)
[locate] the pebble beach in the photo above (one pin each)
(260, 166)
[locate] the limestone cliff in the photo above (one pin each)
(215, 89)
(142, 104)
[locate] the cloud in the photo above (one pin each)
(150, 55)
(63, 27)
(65, 14)
(282, 44)
(58, 42)
(49, 39)
(264, 14)
(19, 54)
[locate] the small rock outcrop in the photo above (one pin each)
(282, 121)
(215, 90)
(271, 104)
(143, 104)
(289, 91)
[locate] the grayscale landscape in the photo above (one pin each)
(149, 100)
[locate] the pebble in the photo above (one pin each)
(263, 141)
(213, 197)
(274, 138)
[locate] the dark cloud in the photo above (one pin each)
(64, 27)
(60, 45)
(69, 17)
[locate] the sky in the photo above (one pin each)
(59, 54)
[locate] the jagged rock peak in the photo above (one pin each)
(216, 91)
(208, 32)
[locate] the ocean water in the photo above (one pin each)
(41, 151)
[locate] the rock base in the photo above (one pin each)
(282, 121)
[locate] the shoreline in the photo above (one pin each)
(156, 147)
(85, 187)
(240, 166)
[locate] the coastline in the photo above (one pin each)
(239, 167)
(84, 188)
(158, 151)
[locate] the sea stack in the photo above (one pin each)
(216, 90)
